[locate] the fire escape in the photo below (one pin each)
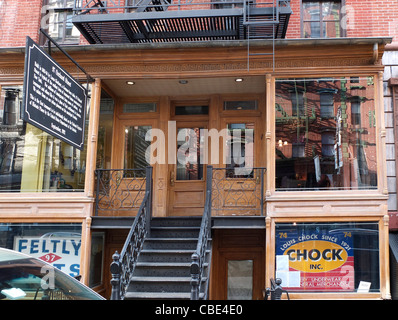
(143, 21)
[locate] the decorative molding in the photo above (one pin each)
(102, 68)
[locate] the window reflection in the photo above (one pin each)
(32, 160)
(240, 150)
(135, 147)
(190, 145)
(325, 139)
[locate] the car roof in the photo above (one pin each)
(7, 255)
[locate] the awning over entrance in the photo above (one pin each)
(150, 21)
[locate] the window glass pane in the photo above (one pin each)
(136, 147)
(139, 107)
(331, 29)
(191, 110)
(240, 279)
(311, 19)
(97, 258)
(55, 243)
(332, 143)
(321, 19)
(240, 150)
(356, 111)
(190, 143)
(60, 26)
(328, 256)
(330, 10)
(327, 105)
(240, 105)
(32, 160)
(105, 129)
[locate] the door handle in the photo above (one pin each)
(118, 179)
(172, 178)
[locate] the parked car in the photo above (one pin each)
(23, 277)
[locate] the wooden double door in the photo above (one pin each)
(180, 168)
(232, 150)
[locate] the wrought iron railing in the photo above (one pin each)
(199, 257)
(123, 264)
(119, 191)
(123, 6)
(238, 191)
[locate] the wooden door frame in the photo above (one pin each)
(237, 244)
(172, 168)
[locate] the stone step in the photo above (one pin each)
(174, 232)
(176, 222)
(161, 284)
(166, 255)
(159, 295)
(171, 243)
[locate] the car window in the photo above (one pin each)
(29, 279)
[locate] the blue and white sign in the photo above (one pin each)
(61, 252)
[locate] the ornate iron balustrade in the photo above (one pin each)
(119, 191)
(123, 264)
(228, 190)
(199, 256)
(147, 21)
(238, 191)
(125, 6)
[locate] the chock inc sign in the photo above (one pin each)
(316, 260)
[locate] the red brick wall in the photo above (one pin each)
(365, 18)
(18, 19)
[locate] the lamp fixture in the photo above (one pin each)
(183, 81)
(130, 83)
(239, 80)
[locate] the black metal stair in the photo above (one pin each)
(163, 266)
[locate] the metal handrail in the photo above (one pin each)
(123, 264)
(87, 6)
(199, 256)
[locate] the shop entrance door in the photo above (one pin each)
(188, 174)
(238, 269)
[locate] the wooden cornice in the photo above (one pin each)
(226, 58)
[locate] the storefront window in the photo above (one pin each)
(55, 243)
(105, 131)
(32, 160)
(97, 258)
(325, 257)
(325, 134)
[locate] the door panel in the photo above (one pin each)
(237, 190)
(127, 183)
(238, 269)
(187, 176)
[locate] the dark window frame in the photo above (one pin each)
(321, 20)
(63, 9)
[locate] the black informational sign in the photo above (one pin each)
(53, 100)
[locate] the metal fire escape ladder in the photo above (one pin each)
(256, 28)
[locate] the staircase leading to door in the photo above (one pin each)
(163, 266)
